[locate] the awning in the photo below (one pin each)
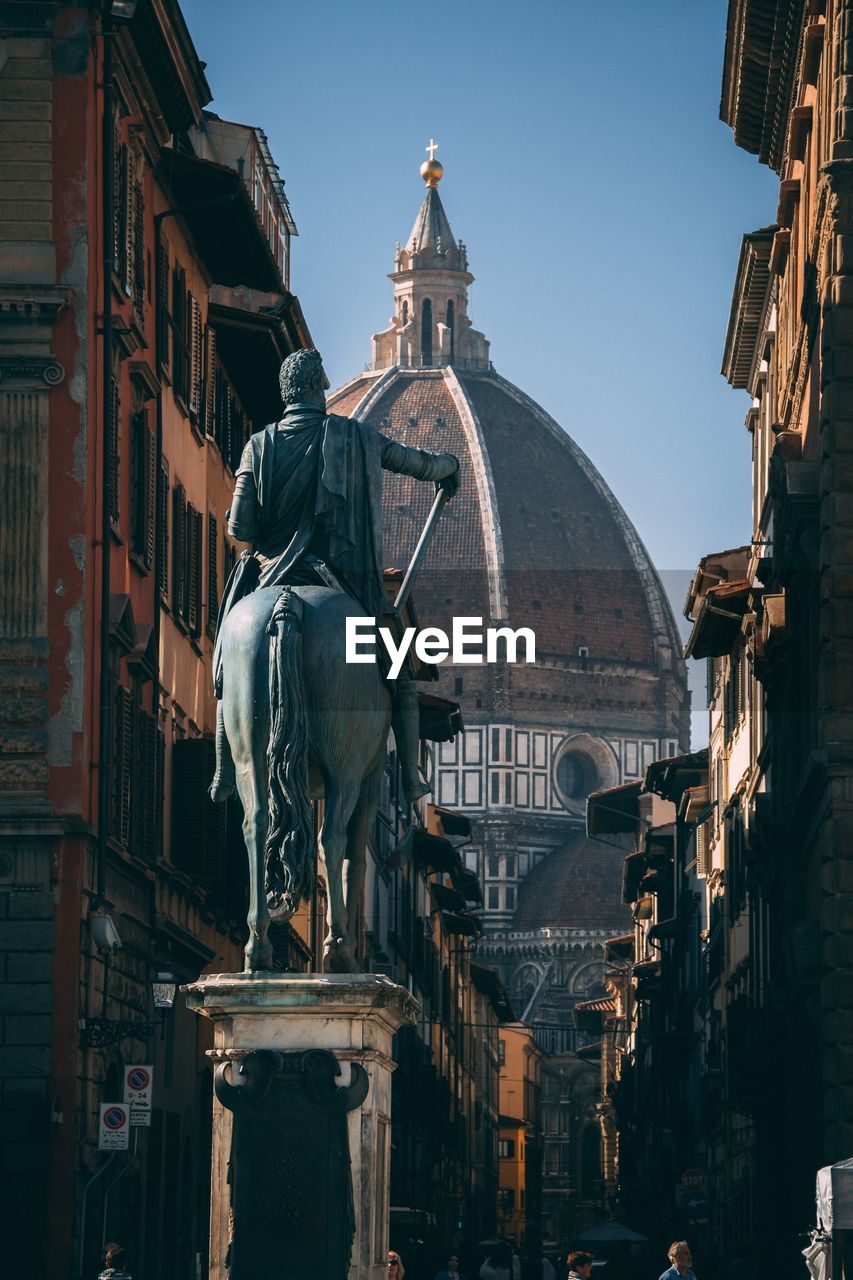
(461, 922)
(446, 899)
(671, 777)
(620, 948)
(664, 929)
(440, 719)
(468, 884)
(487, 982)
(215, 204)
(610, 1233)
(452, 823)
(614, 810)
(433, 853)
(718, 620)
(634, 868)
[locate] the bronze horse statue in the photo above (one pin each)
(295, 720)
(284, 650)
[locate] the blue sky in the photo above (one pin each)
(601, 198)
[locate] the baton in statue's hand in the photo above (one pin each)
(442, 497)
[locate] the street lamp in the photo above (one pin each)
(164, 984)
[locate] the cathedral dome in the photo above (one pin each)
(535, 537)
(578, 886)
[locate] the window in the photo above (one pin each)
(501, 1052)
(212, 574)
(163, 313)
(142, 489)
(494, 867)
(506, 1149)
(186, 561)
(450, 325)
(510, 897)
(494, 898)
(179, 325)
(163, 526)
(510, 865)
(426, 332)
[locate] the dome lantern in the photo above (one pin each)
(430, 328)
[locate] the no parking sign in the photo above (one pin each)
(137, 1093)
(114, 1129)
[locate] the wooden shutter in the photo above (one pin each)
(179, 551)
(162, 534)
(139, 245)
(114, 414)
(122, 764)
(129, 228)
(119, 202)
(163, 306)
(212, 573)
(198, 825)
(195, 357)
(209, 393)
(143, 489)
(194, 567)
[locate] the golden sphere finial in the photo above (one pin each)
(432, 170)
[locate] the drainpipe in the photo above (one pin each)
(107, 223)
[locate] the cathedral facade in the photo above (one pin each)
(534, 538)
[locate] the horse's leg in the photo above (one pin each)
(357, 832)
(341, 798)
(248, 749)
(252, 789)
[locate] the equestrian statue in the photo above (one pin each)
(295, 721)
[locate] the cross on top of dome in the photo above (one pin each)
(432, 170)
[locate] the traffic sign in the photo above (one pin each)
(114, 1128)
(693, 1179)
(138, 1084)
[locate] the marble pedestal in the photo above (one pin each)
(353, 1016)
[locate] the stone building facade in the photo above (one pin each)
(764, 883)
(139, 341)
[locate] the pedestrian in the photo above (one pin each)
(395, 1268)
(452, 1271)
(498, 1265)
(547, 1269)
(682, 1262)
(579, 1265)
(115, 1264)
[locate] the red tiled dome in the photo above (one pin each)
(578, 885)
(534, 538)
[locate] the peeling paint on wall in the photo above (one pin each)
(69, 719)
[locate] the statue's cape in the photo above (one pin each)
(319, 483)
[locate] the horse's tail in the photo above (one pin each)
(289, 850)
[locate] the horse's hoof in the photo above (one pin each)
(338, 957)
(258, 958)
(221, 789)
(280, 906)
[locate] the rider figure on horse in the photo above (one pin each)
(308, 496)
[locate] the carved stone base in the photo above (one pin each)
(269, 1027)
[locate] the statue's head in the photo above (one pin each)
(302, 379)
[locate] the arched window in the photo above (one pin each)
(426, 332)
(405, 311)
(450, 326)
